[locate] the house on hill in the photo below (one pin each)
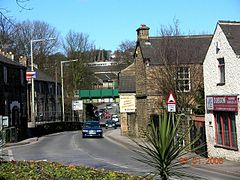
(222, 91)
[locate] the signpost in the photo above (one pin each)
(30, 74)
(77, 105)
(171, 103)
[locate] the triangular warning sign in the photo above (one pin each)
(171, 99)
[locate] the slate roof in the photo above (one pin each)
(6, 60)
(190, 49)
(127, 84)
(41, 76)
(107, 76)
(113, 68)
(231, 30)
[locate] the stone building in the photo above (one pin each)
(127, 93)
(222, 90)
(13, 96)
(166, 64)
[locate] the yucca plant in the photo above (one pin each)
(164, 145)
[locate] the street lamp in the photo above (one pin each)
(63, 109)
(32, 79)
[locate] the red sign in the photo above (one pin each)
(222, 103)
(171, 99)
(30, 74)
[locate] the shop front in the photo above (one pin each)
(222, 126)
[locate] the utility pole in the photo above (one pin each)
(63, 108)
(33, 122)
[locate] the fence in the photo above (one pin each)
(47, 116)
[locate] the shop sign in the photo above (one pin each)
(127, 104)
(222, 103)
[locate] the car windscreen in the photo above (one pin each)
(91, 124)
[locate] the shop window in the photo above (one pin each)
(183, 79)
(221, 69)
(225, 124)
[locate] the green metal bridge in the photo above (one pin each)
(97, 96)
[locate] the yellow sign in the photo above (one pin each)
(127, 103)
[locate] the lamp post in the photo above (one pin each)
(32, 79)
(63, 109)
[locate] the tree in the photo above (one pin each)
(23, 4)
(179, 68)
(125, 52)
(27, 31)
(78, 46)
(6, 32)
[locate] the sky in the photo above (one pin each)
(110, 22)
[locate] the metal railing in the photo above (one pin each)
(53, 116)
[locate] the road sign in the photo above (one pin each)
(30, 74)
(171, 99)
(77, 105)
(171, 107)
(171, 103)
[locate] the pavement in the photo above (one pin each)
(227, 167)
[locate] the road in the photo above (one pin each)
(70, 148)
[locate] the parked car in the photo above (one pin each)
(115, 118)
(92, 129)
(101, 111)
(109, 106)
(110, 123)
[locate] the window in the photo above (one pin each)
(221, 67)
(226, 129)
(22, 77)
(217, 47)
(183, 79)
(5, 73)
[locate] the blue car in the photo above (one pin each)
(92, 129)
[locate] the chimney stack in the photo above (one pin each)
(143, 32)
(23, 60)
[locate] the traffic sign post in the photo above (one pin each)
(171, 103)
(30, 74)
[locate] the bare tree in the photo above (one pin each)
(27, 31)
(6, 32)
(179, 68)
(125, 52)
(23, 4)
(78, 46)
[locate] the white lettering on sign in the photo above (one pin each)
(219, 100)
